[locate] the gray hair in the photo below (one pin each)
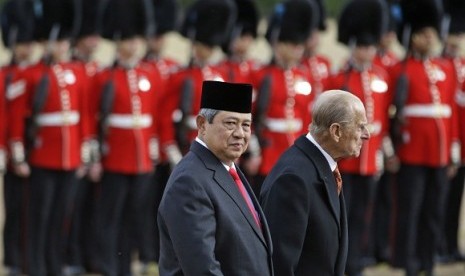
(334, 106)
(208, 114)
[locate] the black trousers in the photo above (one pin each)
(51, 197)
(151, 248)
(452, 213)
(120, 219)
(359, 192)
(420, 203)
(15, 199)
(81, 244)
(382, 217)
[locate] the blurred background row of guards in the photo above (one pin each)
(89, 134)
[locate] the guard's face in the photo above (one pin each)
(424, 40)
(228, 135)
(60, 48)
(364, 54)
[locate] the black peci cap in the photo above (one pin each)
(363, 22)
(234, 97)
(292, 21)
(209, 21)
(17, 21)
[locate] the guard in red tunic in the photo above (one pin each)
(318, 65)
(451, 55)
(385, 58)
(238, 65)
(284, 93)
(369, 83)
(428, 123)
(81, 245)
(165, 14)
(3, 124)
(18, 36)
(207, 24)
(125, 105)
(51, 95)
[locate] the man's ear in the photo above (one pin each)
(201, 122)
(335, 131)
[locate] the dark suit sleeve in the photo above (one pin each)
(286, 208)
(188, 221)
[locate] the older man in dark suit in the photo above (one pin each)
(209, 219)
(302, 198)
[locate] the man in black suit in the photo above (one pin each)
(209, 220)
(302, 198)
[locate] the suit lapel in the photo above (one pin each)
(315, 155)
(222, 177)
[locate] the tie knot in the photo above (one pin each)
(233, 173)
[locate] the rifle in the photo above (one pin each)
(105, 107)
(106, 104)
(263, 100)
(185, 106)
(400, 94)
(12, 38)
(41, 93)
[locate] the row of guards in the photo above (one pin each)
(87, 150)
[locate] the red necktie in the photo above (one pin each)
(244, 194)
(338, 178)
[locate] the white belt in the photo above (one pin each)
(283, 125)
(61, 118)
(130, 121)
(374, 128)
(428, 110)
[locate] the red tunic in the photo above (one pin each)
(63, 121)
(385, 59)
(132, 120)
(430, 112)
(3, 125)
(239, 71)
(287, 113)
(371, 86)
(320, 70)
(164, 68)
(457, 65)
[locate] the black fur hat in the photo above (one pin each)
(209, 21)
(363, 22)
(17, 21)
(166, 14)
(123, 19)
(456, 10)
(62, 16)
(292, 21)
